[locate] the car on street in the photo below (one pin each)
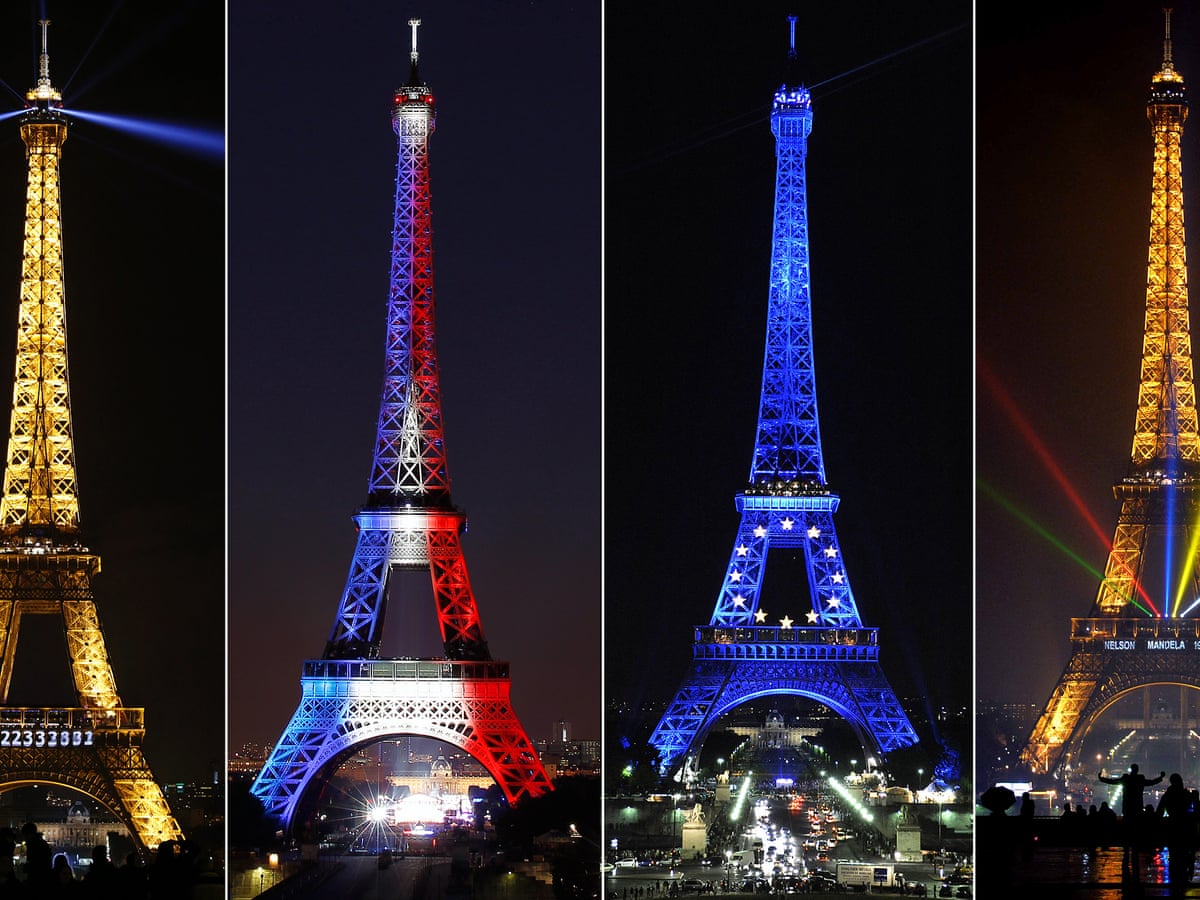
(821, 880)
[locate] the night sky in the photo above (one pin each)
(515, 170)
(1063, 193)
(143, 253)
(690, 188)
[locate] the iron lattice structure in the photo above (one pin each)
(45, 569)
(1131, 640)
(352, 697)
(832, 657)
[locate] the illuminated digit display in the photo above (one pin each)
(46, 737)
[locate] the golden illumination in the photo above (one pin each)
(39, 476)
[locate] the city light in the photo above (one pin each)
(851, 800)
(739, 804)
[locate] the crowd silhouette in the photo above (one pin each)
(1141, 829)
(173, 874)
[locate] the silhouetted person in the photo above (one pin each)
(37, 858)
(169, 874)
(62, 878)
(1178, 833)
(1133, 787)
(101, 877)
(10, 885)
(1026, 826)
(133, 879)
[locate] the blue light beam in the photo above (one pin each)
(203, 142)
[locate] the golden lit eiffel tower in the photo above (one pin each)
(1144, 629)
(45, 569)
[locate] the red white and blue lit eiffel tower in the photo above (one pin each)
(832, 657)
(353, 697)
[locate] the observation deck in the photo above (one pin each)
(1155, 482)
(403, 669)
(1156, 631)
(761, 642)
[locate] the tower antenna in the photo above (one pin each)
(44, 58)
(413, 56)
(791, 79)
(1167, 61)
(44, 90)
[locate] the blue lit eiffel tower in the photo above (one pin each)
(831, 657)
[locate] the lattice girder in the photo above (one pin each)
(348, 705)
(411, 539)
(1123, 569)
(410, 452)
(40, 486)
(1166, 422)
(857, 692)
(57, 584)
(781, 521)
(788, 443)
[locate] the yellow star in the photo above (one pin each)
(743, 550)
(814, 532)
(812, 617)
(785, 622)
(760, 617)
(759, 531)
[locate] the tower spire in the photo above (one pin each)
(1167, 65)
(791, 79)
(44, 94)
(414, 77)
(40, 498)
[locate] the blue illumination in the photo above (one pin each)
(203, 142)
(824, 653)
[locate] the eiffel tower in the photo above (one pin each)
(831, 657)
(351, 696)
(1142, 632)
(45, 568)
